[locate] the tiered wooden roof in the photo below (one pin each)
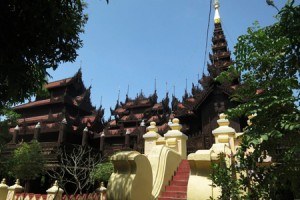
(67, 99)
(220, 60)
(129, 120)
(199, 110)
(67, 102)
(128, 116)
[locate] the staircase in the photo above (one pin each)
(177, 189)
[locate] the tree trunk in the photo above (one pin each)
(27, 186)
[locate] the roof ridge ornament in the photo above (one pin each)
(217, 18)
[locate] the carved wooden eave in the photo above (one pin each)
(133, 130)
(112, 124)
(64, 82)
(59, 83)
(132, 117)
(156, 118)
(85, 102)
(46, 127)
(228, 90)
(45, 118)
(113, 132)
(39, 103)
(161, 129)
(98, 123)
(82, 102)
(157, 106)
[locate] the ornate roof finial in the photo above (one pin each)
(118, 95)
(217, 18)
(127, 93)
(174, 89)
(186, 85)
(166, 86)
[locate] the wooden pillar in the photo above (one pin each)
(16, 134)
(84, 140)
(37, 131)
(127, 138)
(142, 128)
(140, 140)
(62, 131)
(102, 142)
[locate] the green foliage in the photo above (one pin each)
(5, 137)
(43, 93)
(102, 172)
(36, 35)
(27, 161)
(8, 116)
(268, 60)
(224, 177)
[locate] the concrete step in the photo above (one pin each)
(182, 173)
(176, 188)
(179, 183)
(181, 178)
(170, 198)
(174, 194)
(183, 169)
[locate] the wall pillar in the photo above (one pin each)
(3, 189)
(224, 134)
(37, 131)
(200, 185)
(54, 193)
(175, 139)
(14, 189)
(132, 177)
(150, 138)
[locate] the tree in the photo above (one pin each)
(27, 162)
(10, 117)
(76, 163)
(102, 172)
(268, 60)
(36, 35)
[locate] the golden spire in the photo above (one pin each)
(217, 18)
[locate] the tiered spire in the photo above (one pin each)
(217, 18)
(220, 59)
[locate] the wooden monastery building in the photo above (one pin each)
(62, 116)
(58, 117)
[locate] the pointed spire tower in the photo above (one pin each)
(220, 57)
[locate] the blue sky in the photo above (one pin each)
(134, 42)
